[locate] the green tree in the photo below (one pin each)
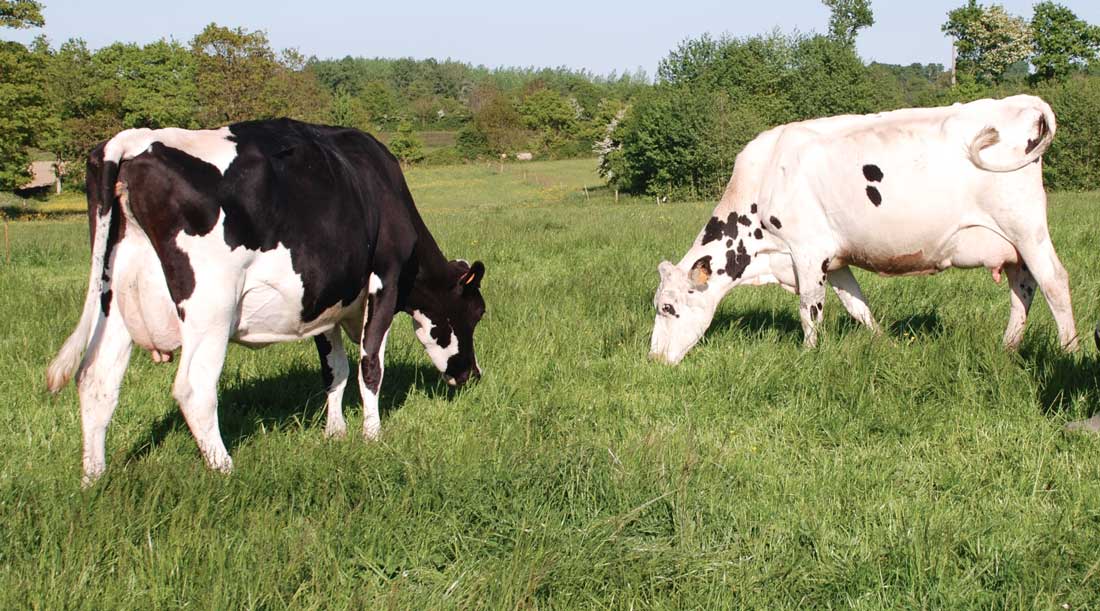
(470, 142)
(1063, 43)
(380, 101)
(349, 111)
(498, 120)
(155, 84)
(828, 78)
(1073, 161)
(405, 145)
(847, 18)
(233, 67)
(21, 14)
(25, 118)
(988, 40)
(551, 116)
(295, 92)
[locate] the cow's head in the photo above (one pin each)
(684, 310)
(444, 316)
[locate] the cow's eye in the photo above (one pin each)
(668, 309)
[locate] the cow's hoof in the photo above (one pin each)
(89, 480)
(372, 432)
(336, 433)
(1092, 425)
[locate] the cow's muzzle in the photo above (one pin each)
(460, 379)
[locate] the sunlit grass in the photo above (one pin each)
(923, 469)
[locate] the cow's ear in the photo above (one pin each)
(664, 270)
(472, 277)
(700, 273)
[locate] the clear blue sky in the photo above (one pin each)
(598, 36)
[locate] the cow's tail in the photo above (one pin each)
(1035, 148)
(101, 179)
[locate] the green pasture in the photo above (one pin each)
(926, 468)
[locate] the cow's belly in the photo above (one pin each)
(969, 247)
(270, 307)
(141, 294)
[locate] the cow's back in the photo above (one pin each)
(319, 193)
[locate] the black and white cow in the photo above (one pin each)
(912, 191)
(257, 233)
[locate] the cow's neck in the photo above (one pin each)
(429, 271)
(736, 242)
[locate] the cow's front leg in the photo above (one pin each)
(811, 294)
(372, 347)
(334, 374)
(847, 290)
(1021, 285)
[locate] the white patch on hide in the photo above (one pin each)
(439, 356)
(210, 145)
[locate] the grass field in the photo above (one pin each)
(923, 469)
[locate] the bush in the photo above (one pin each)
(716, 96)
(447, 155)
(405, 145)
(1073, 161)
(682, 142)
(471, 142)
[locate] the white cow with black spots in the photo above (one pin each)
(913, 191)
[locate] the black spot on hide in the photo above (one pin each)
(716, 228)
(872, 173)
(874, 196)
(324, 349)
(737, 261)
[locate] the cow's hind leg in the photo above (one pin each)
(1021, 285)
(1042, 262)
(98, 381)
(847, 290)
(334, 373)
(205, 336)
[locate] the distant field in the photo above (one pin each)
(923, 469)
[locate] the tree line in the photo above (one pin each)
(61, 100)
(713, 95)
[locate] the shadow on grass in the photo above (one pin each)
(918, 326)
(788, 326)
(33, 213)
(292, 397)
(757, 322)
(1061, 377)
